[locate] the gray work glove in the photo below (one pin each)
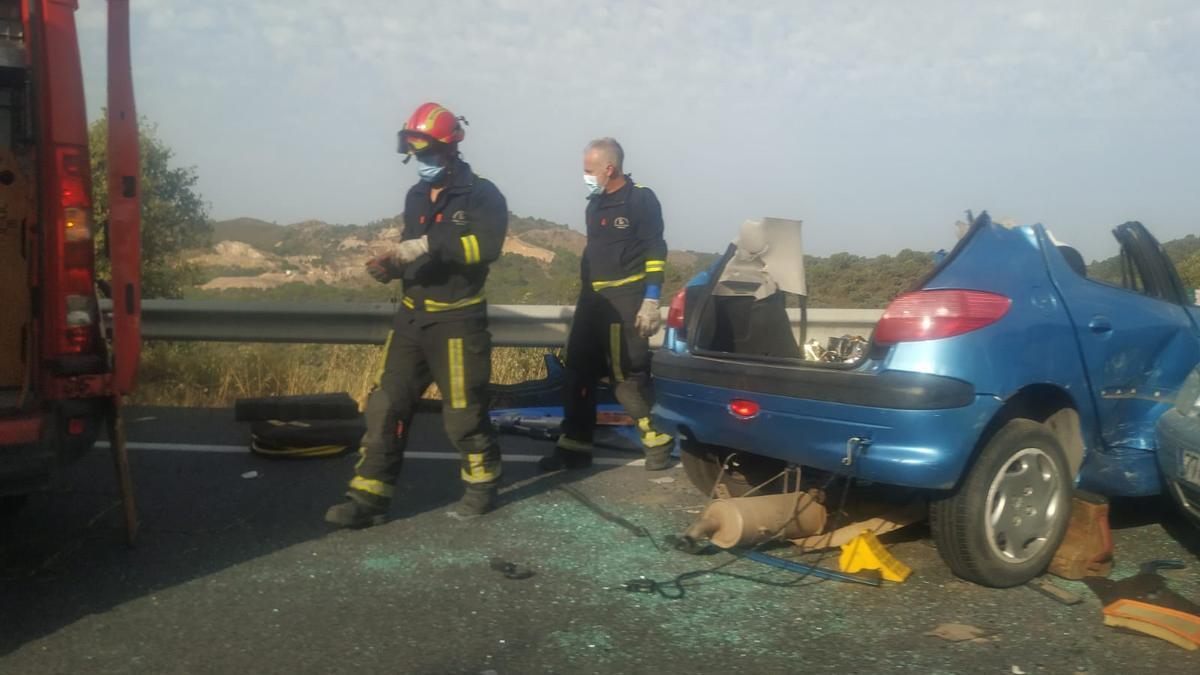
(411, 249)
(648, 319)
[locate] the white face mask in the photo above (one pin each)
(593, 184)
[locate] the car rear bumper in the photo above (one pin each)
(894, 390)
(916, 446)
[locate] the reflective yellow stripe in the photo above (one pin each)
(427, 126)
(375, 487)
(362, 457)
(600, 285)
(435, 306)
(655, 265)
(314, 451)
(387, 344)
(470, 244)
(458, 395)
(476, 470)
(614, 348)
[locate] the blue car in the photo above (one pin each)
(1179, 449)
(1005, 379)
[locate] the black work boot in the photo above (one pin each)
(657, 444)
(568, 454)
(658, 459)
(477, 499)
(355, 515)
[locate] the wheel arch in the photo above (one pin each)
(1049, 404)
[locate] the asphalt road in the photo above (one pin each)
(236, 574)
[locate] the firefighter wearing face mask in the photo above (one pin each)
(617, 312)
(454, 228)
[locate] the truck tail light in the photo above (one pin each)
(76, 276)
(675, 314)
(76, 225)
(932, 315)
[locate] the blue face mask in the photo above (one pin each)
(430, 173)
(592, 183)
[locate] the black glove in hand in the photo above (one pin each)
(383, 268)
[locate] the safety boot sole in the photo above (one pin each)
(353, 516)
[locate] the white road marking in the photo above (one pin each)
(412, 454)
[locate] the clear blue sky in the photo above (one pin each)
(876, 123)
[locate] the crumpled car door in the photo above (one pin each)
(1137, 347)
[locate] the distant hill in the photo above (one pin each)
(314, 260)
(1184, 252)
(258, 233)
(556, 239)
(520, 224)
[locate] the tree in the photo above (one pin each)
(1189, 271)
(174, 216)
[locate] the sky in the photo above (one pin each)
(876, 123)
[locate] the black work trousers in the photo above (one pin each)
(456, 354)
(604, 340)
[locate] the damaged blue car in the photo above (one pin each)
(1003, 380)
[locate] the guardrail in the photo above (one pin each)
(368, 323)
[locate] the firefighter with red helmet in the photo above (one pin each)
(454, 228)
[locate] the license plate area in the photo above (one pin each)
(1191, 466)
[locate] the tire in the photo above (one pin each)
(702, 464)
(978, 530)
(1172, 488)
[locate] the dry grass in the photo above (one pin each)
(216, 374)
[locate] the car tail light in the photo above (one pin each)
(743, 409)
(76, 264)
(931, 315)
(675, 314)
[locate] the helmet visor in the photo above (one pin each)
(413, 143)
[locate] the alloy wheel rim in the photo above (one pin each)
(1024, 502)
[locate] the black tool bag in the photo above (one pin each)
(336, 406)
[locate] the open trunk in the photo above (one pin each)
(18, 199)
(727, 318)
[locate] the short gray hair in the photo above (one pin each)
(611, 149)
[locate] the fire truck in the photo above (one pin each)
(64, 364)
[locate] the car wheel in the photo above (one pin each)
(1186, 499)
(1009, 516)
(702, 464)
